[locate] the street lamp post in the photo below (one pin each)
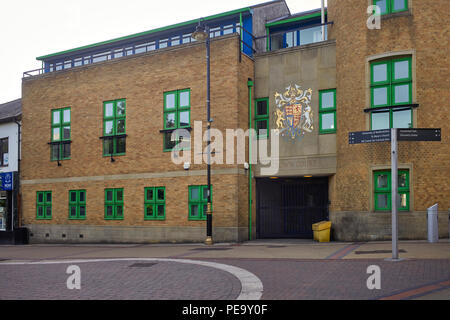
(202, 33)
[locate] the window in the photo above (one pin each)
(262, 118)
(4, 153)
(327, 111)
(77, 204)
(114, 128)
(155, 203)
(391, 87)
(382, 182)
(198, 202)
(61, 134)
(114, 204)
(177, 115)
(291, 39)
(44, 205)
(391, 6)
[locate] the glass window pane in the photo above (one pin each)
(184, 118)
(380, 96)
(161, 194)
(163, 43)
(401, 70)
(380, 121)
(56, 134)
(382, 4)
(195, 210)
(82, 196)
(195, 194)
(170, 101)
(380, 72)
(382, 181)
(118, 53)
(403, 180)
(149, 195)
(82, 211)
(261, 108)
(120, 111)
(169, 143)
(160, 211)
(109, 195)
(56, 117)
(48, 197)
(66, 133)
(170, 120)
(40, 197)
(184, 99)
(73, 211)
(40, 211)
(399, 5)
(66, 116)
(55, 149)
(151, 46)
(140, 49)
(66, 150)
(261, 127)
(290, 42)
(402, 93)
(109, 211)
(121, 144)
(119, 211)
(402, 119)
(402, 201)
(228, 29)
(149, 210)
(327, 121)
(109, 127)
(205, 193)
(328, 100)
(73, 196)
(109, 109)
(175, 41)
(78, 62)
(120, 126)
(48, 211)
(382, 201)
(108, 146)
(311, 35)
(119, 195)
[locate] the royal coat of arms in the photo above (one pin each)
(293, 115)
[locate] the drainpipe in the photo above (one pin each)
(323, 20)
(250, 179)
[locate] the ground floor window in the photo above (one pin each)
(155, 203)
(198, 202)
(77, 204)
(44, 205)
(114, 200)
(383, 193)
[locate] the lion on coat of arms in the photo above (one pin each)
(294, 116)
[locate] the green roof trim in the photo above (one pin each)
(309, 16)
(182, 24)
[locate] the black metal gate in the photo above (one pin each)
(286, 208)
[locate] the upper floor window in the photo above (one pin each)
(4, 152)
(327, 111)
(391, 86)
(114, 127)
(61, 134)
(262, 118)
(391, 6)
(177, 115)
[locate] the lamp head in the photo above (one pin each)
(200, 33)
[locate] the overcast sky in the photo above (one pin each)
(30, 28)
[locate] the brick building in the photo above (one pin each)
(97, 125)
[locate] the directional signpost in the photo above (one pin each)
(394, 135)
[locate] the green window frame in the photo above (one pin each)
(114, 127)
(327, 110)
(383, 193)
(391, 6)
(114, 204)
(61, 133)
(44, 205)
(391, 85)
(198, 202)
(155, 203)
(77, 205)
(262, 118)
(177, 115)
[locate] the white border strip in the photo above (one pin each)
(251, 285)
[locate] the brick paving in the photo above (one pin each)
(118, 281)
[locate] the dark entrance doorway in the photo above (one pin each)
(287, 207)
